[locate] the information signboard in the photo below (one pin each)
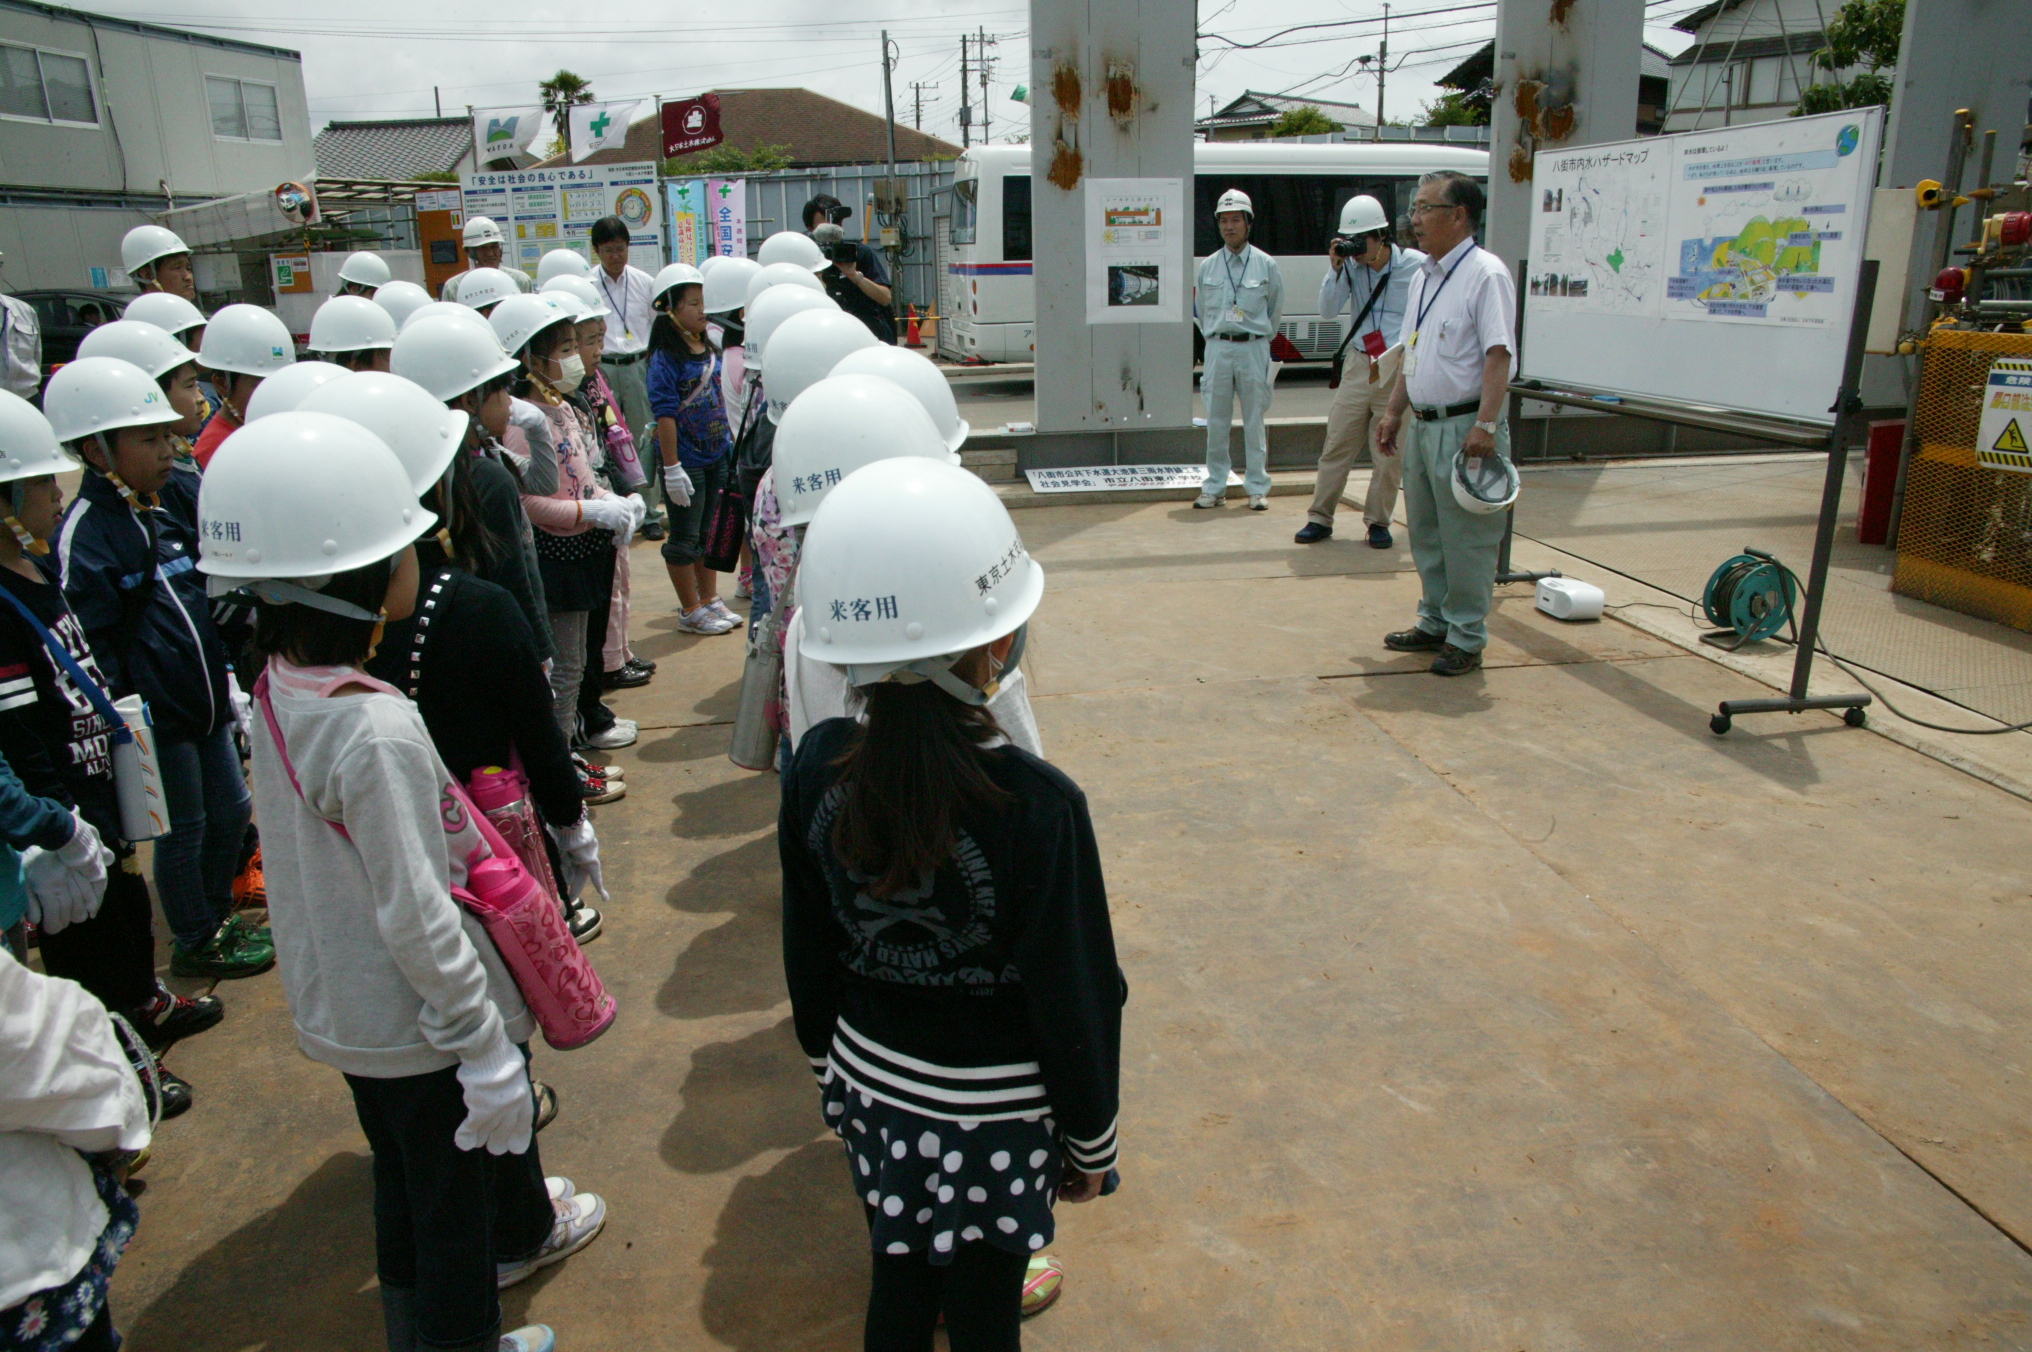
(543, 209)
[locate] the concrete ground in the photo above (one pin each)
(1509, 1012)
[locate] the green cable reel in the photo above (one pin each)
(1751, 596)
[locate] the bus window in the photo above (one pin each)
(1295, 213)
(965, 210)
(1016, 218)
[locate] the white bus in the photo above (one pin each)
(986, 306)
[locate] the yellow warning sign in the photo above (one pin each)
(2007, 412)
(2011, 439)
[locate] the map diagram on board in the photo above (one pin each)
(1763, 237)
(1598, 232)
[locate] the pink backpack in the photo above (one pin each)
(519, 913)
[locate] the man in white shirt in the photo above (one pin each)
(625, 358)
(485, 248)
(1459, 331)
(1370, 276)
(1239, 296)
(20, 347)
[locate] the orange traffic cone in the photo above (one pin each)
(912, 338)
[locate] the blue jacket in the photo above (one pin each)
(132, 580)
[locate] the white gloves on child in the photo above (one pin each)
(613, 514)
(581, 850)
(500, 1106)
(639, 512)
(243, 706)
(677, 486)
(67, 884)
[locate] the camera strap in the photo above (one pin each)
(1333, 380)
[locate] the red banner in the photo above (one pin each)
(691, 124)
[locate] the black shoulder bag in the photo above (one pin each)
(1333, 380)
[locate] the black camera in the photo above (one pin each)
(834, 241)
(1346, 246)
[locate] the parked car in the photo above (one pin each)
(67, 316)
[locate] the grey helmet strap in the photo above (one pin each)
(277, 592)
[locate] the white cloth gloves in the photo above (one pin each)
(581, 850)
(243, 706)
(639, 512)
(67, 884)
(500, 1106)
(613, 514)
(677, 485)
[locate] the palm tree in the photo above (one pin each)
(560, 93)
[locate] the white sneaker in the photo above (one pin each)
(704, 620)
(579, 1220)
(1259, 503)
(743, 588)
(561, 1189)
(625, 732)
(530, 1338)
(1206, 500)
(719, 608)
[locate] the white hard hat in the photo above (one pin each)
(770, 309)
(918, 374)
(422, 432)
(672, 277)
(143, 344)
(350, 324)
(793, 246)
(710, 262)
(1234, 199)
(1361, 214)
(482, 287)
(303, 496)
(145, 243)
(431, 309)
(839, 425)
(246, 339)
(727, 284)
(401, 300)
(28, 444)
(100, 394)
(907, 563)
(779, 274)
(172, 314)
(1484, 484)
(365, 268)
(520, 318)
(580, 289)
(481, 230)
(560, 263)
(448, 356)
(290, 386)
(804, 350)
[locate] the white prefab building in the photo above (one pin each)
(106, 122)
(1748, 62)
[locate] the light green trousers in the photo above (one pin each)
(1455, 550)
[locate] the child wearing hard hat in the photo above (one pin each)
(694, 440)
(353, 332)
(243, 346)
(390, 980)
(946, 939)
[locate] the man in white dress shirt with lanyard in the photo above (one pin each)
(1368, 275)
(1459, 331)
(1239, 297)
(625, 358)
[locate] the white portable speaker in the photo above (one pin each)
(1566, 598)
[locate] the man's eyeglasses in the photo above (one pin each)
(1420, 208)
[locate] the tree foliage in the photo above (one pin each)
(1456, 108)
(1304, 120)
(727, 159)
(1863, 33)
(561, 93)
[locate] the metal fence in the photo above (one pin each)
(775, 200)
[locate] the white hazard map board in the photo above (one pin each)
(1098, 478)
(2004, 440)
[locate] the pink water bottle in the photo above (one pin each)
(502, 795)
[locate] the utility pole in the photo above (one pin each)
(1382, 69)
(981, 52)
(966, 109)
(917, 88)
(889, 101)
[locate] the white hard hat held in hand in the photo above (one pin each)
(918, 374)
(449, 356)
(416, 425)
(287, 388)
(94, 395)
(144, 244)
(794, 247)
(839, 425)
(143, 344)
(1484, 484)
(908, 565)
(303, 496)
(805, 348)
(350, 324)
(248, 340)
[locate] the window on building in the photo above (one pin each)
(1016, 218)
(46, 86)
(243, 110)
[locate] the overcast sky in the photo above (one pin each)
(381, 58)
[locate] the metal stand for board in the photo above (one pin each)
(1503, 573)
(1847, 408)
(1503, 570)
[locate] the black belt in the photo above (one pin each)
(1238, 337)
(621, 358)
(1450, 411)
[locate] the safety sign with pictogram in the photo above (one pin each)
(2007, 413)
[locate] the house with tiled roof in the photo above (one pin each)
(398, 150)
(810, 129)
(1250, 116)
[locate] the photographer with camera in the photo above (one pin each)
(856, 279)
(1369, 274)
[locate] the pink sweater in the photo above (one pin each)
(558, 512)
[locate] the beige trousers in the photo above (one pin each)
(1351, 428)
